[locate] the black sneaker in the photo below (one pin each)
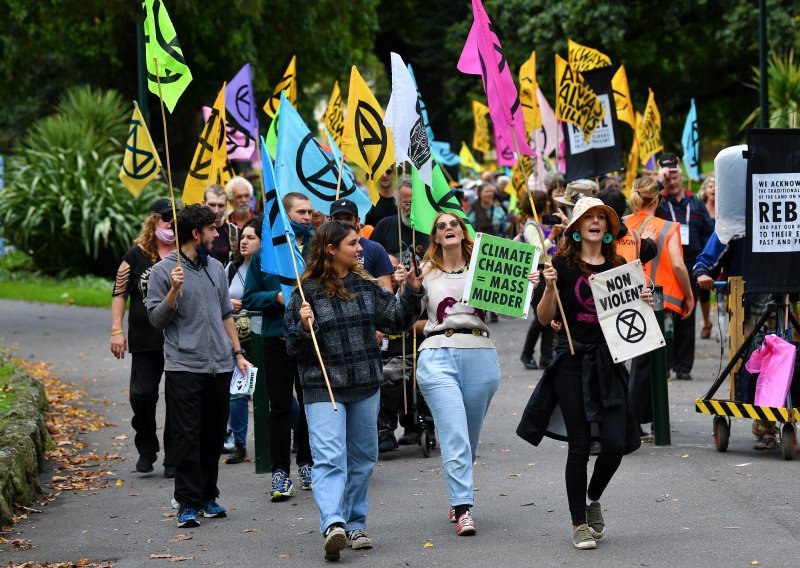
(681, 376)
(409, 438)
(529, 363)
(335, 541)
(387, 443)
(169, 471)
(145, 463)
(238, 454)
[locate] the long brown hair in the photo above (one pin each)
(434, 257)
(570, 251)
(320, 266)
(147, 237)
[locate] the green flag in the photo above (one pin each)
(272, 135)
(427, 202)
(161, 44)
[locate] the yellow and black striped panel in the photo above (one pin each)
(743, 410)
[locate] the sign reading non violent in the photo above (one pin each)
(776, 212)
(497, 279)
(628, 322)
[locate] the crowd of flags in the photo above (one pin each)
(525, 130)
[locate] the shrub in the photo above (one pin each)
(64, 202)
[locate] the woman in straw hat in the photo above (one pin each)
(590, 392)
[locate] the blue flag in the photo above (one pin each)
(443, 154)
(278, 243)
(690, 140)
(302, 165)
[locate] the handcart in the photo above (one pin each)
(724, 409)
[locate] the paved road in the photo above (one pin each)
(684, 505)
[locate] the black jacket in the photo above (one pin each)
(542, 416)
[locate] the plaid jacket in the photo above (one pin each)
(345, 331)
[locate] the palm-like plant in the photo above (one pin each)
(783, 92)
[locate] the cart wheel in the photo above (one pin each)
(424, 438)
(788, 442)
(722, 433)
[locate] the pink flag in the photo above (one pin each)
(505, 153)
(545, 137)
(240, 147)
(483, 55)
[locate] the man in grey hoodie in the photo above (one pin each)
(189, 300)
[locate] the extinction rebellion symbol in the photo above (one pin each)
(631, 326)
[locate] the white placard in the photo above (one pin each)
(628, 322)
(776, 212)
(241, 384)
(602, 137)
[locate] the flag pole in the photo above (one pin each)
(413, 327)
(311, 327)
(169, 170)
(541, 234)
(339, 181)
(400, 258)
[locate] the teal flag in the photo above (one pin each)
(428, 201)
(302, 165)
(690, 140)
(161, 44)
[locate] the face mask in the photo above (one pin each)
(202, 255)
(300, 230)
(166, 236)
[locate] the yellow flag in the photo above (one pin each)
(467, 159)
(365, 139)
(582, 58)
(481, 137)
(649, 131)
(527, 94)
(622, 97)
(633, 161)
(334, 115)
(210, 163)
(576, 102)
(287, 83)
(519, 177)
(140, 164)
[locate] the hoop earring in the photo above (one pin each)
(576, 236)
(607, 238)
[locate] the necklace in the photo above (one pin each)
(458, 270)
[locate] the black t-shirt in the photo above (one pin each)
(578, 302)
(385, 207)
(141, 335)
(385, 233)
(221, 246)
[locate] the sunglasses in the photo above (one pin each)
(166, 217)
(441, 225)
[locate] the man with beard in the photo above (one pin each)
(386, 232)
(185, 298)
(227, 238)
(386, 205)
(239, 192)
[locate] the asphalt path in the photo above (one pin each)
(679, 505)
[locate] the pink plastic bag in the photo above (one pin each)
(774, 363)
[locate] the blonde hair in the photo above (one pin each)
(704, 187)
(146, 240)
(644, 192)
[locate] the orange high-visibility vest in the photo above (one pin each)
(629, 246)
(659, 270)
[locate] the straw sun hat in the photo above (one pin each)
(586, 204)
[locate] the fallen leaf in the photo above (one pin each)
(755, 563)
(251, 530)
(57, 478)
(744, 464)
(285, 555)
(121, 437)
(685, 456)
(428, 544)
(171, 557)
(504, 495)
(528, 504)
(119, 482)
(180, 537)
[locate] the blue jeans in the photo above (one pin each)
(344, 446)
(238, 417)
(458, 385)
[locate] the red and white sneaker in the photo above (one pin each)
(452, 515)
(466, 525)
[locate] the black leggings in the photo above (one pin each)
(569, 394)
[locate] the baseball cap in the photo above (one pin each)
(162, 205)
(668, 160)
(344, 206)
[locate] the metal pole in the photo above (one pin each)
(141, 71)
(660, 392)
(260, 397)
(763, 92)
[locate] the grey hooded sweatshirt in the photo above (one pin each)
(194, 337)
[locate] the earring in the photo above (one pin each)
(576, 236)
(607, 238)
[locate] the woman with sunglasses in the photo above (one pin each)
(345, 306)
(458, 371)
(145, 343)
(588, 388)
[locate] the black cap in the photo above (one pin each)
(161, 206)
(344, 206)
(668, 160)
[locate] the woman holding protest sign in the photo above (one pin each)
(586, 386)
(458, 371)
(346, 307)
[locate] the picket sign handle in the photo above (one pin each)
(311, 327)
(400, 258)
(541, 235)
(169, 170)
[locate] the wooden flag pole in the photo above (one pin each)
(541, 235)
(400, 258)
(339, 181)
(311, 327)
(413, 327)
(169, 170)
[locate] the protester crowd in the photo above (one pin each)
(378, 308)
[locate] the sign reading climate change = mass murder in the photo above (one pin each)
(497, 279)
(776, 212)
(628, 322)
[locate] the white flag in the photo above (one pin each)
(546, 136)
(404, 118)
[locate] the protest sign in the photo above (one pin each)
(241, 384)
(776, 212)
(628, 322)
(497, 279)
